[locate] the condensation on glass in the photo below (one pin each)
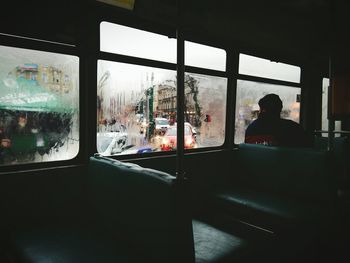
(247, 109)
(205, 108)
(325, 85)
(203, 56)
(136, 109)
(129, 41)
(39, 106)
(259, 67)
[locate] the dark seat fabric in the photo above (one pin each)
(295, 172)
(141, 206)
(275, 212)
(284, 185)
(135, 215)
(340, 151)
(225, 243)
(66, 245)
(215, 245)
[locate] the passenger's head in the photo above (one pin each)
(271, 104)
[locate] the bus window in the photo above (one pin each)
(247, 108)
(203, 56)
(130, 98)
(137, 105)
(205, 108)
(325, 84)
(129, 41)
(39, 106)
(259, 67)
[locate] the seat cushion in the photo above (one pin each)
(275, 209)
(69, 245)
(215, 245)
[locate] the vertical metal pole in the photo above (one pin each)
(180, 105)
(232, 61)
(180, 174)
(185, 248)
(331, 122)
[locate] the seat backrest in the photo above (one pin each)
(340, 152)
(296, 172)
(141, 206)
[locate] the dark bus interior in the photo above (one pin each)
(228, 203)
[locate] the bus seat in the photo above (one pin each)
(135, 215)
(141, 206)
(282, 185)
(340, 152)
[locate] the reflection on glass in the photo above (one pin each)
(137, 110)
(248, 95)
(203, 56)
(265, 68)
(129, 41)
(39, 103)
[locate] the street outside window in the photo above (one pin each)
(137, 109)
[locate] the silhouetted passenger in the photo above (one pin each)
(270, 129)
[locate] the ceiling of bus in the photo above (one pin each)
(298, 27)
(273, 26)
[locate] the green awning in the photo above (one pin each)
(28, 95)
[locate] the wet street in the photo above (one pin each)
(137, 142)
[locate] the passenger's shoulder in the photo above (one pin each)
(292, 126)
(252, 125)
(291, 123)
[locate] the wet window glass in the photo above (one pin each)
(129, 41)
(205, 108)
(259, 67)
(247, 109)
(203, 56)
(325, 84)
(137, 113)
(39, 106)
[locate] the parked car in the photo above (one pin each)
(109, 143)
(132, 149)
(194, 132)
(193, 129)
(169, 141)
